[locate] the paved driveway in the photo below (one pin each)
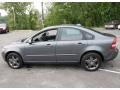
(57, 75)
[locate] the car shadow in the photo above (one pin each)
(105, 65)
(53, 66)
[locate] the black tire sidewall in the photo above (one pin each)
(20, 60)
(86, 56)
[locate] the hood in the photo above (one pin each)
(14, 44)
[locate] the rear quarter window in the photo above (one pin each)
(88, 36)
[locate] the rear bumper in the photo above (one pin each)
(112, 55)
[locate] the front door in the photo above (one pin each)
(42, 48)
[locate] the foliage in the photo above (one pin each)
(34, 20)
(87, 14)
(21, 15)
(3, 19)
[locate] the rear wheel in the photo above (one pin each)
(14, 60)
(91, 61)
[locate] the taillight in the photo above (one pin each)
(114, 43)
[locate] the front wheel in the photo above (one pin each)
(91, 61)
(14, 60)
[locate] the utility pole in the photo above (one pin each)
(14, 26)
(42, 14)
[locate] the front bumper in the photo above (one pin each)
(109, 26)
(3, 31)
(3, 55)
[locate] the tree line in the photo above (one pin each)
(21, 15)
(86, 13)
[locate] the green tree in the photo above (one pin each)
(34, 19)
(88, 14)
(21, 15)
(16, 14)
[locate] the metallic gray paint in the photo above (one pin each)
(63, 51)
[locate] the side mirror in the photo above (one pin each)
(23, 39)
(30, 41)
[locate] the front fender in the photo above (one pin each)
(8, 50)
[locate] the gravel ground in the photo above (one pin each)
(57, 75)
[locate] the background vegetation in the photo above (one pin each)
(87, 14)
(21, 15)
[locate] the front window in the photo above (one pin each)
(49, 35)
(71, 34)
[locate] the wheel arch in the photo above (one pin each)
(92, 51)
(12, 52)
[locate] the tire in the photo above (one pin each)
(7, 31)
(14, 60)
(91, 61)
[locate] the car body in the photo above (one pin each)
(119, 26)
(63, 44)
(4, 28)
(112, 25)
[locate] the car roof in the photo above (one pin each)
(82, 28)
(71, 26)
(64, 25)
(68, 25)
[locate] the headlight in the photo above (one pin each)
(4, 28)
(118, 26)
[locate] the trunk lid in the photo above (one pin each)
(109, 35)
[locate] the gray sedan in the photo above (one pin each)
(63, 44)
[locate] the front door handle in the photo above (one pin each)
(79, 43)
(48, 44)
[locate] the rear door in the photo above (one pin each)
(69, 45)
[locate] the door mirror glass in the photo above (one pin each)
(30, 41)
(23, 39)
